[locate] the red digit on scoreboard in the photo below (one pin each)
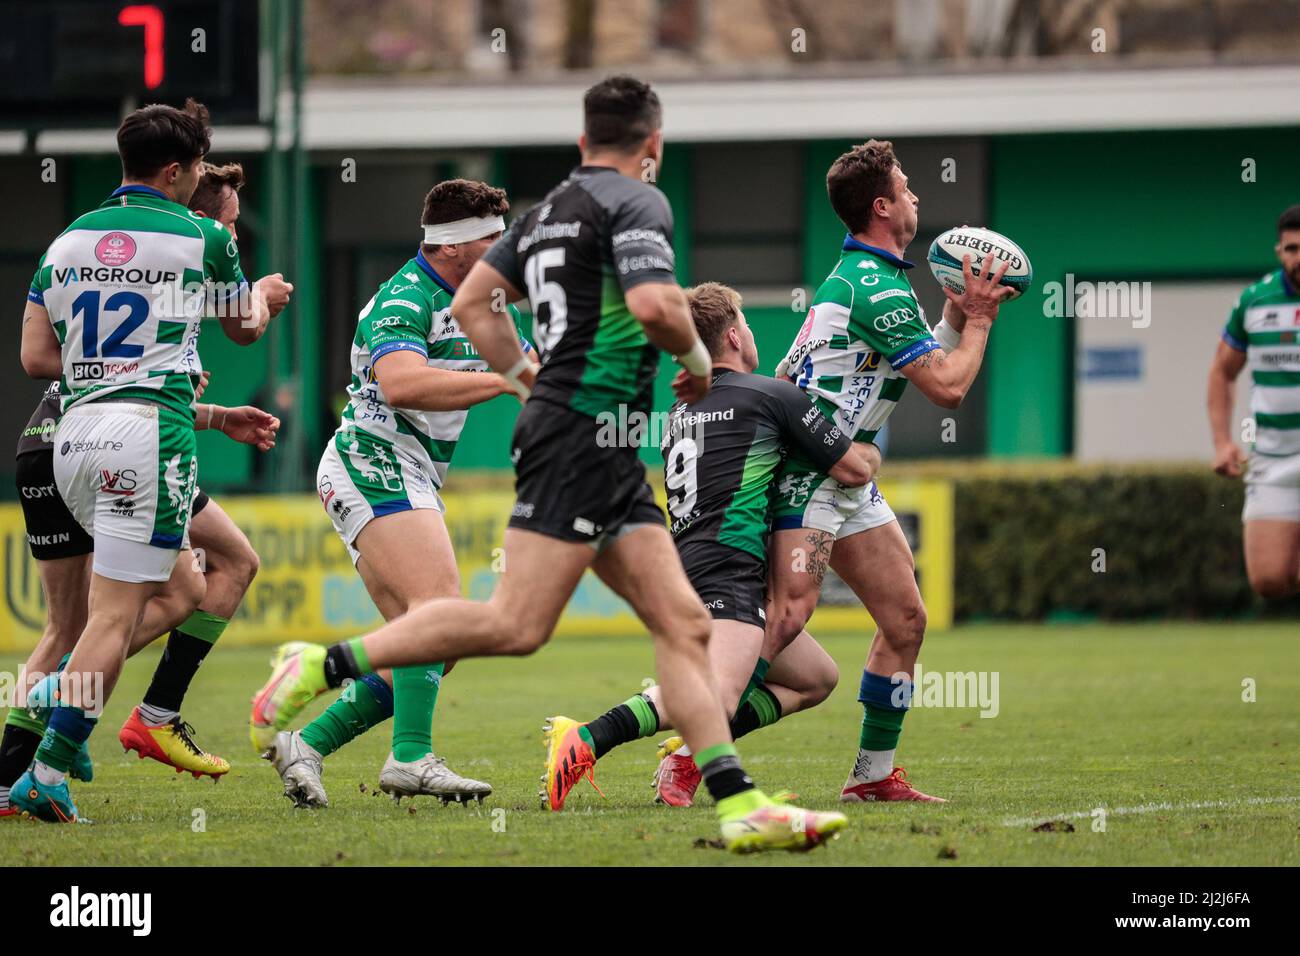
(151, 18)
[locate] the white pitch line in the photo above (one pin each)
(1152, 808)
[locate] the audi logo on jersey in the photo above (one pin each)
(889, 320)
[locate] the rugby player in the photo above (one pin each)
(864, 339)
(1262, 332)
(721, 458)
(61, 548)
(596, 260)
(414, 378)
(129, 367)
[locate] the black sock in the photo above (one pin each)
(751, 715)
(340, 665)
(180, 662)
(17, 750)
(725, 777)
(621, 725)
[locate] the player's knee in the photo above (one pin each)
(906, 630)
(246, 567)
(821, 682)
(789, 616)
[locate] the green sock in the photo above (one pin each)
(363, 704)
(415, 694)
(881, 728)
(755, 680)
(761, 710)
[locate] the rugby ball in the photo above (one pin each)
(946, 254)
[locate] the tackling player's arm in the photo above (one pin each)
(41, 354)
(817, 438)
(245, 424)
(1229, 360)
(946, 377)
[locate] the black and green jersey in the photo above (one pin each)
(1265, 324)
(593, 237)
(722, 454)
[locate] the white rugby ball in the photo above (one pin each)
(946, 253)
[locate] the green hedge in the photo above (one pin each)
(1172, 542)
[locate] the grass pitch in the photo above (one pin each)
(1147, 721)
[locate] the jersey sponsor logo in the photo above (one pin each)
(386, 323)
(522, 509)
(548, 230)
(867, 362)
(585, 526)
(1278, 358)
(900, 316)
(63, 537)
(809, 417)
(642, 263)
(114, 275)
(889, 294)
(404, 303)
(641, 235)
(123, 508)
(79, 446)
(796, 490)
(121, 482)
(96, 371)
(115, 249)
(38, 491)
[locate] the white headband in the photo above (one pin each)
(462, 230)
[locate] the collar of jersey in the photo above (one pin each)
(852, 245)
(432, 273)
(141, 192)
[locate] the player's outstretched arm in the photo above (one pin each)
(945, 377)
(408, 382)
(480, 307)
(662, 310)
(41, 355)
(1227, 365)
(245, 424)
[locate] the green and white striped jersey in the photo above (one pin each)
(865, 325)
(1265, 324)
(411, 311)
(126, 286)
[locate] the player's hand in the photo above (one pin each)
(275, 291)
(690, 388)
(1228, 460)
(202, 387)
(983, 294)
(250, 426)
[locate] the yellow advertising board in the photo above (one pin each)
(307, 589)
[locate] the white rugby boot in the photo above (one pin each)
(429, 776)
(300, 766)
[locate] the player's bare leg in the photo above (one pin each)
(801, 677)
(538, 579)
(877, 564)
(1272, 556)
(797, 566)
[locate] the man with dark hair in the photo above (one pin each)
(62, 551)
(129, 369)
(721, 458)
(596, 260)
(414, 378)
(865, 337)
(1262, 331)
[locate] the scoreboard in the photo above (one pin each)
(78, 63)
